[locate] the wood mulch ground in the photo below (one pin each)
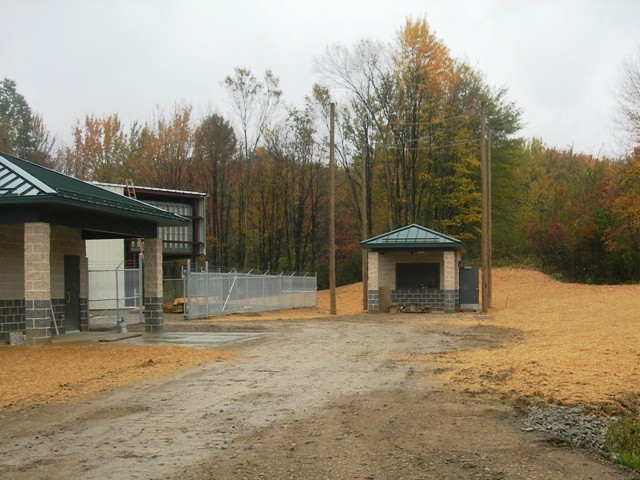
(580, 344)
(71, 370)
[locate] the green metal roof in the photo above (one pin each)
(24, 183)
(412, 238)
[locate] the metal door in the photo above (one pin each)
(71, 293)
(469, 287)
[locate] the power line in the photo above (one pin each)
(425, 147)
(446, 119)
(438, 131)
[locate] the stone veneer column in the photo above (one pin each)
(37, 282)
(153, 296)
(373, 294)
(450, 287)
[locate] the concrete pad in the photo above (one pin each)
(91, 337)
(196, 339)
(117, 337)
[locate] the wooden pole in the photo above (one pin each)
(365, 257)
(485, 212)
(332, 214)
(489, 222)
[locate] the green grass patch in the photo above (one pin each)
(623, 441)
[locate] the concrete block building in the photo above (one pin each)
(413, 264)
(45, 220)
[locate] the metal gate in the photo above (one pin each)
(469, 287)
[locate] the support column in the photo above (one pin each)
(450, 285)
(373, 293)
(153, 296)
(84, 290)
(37, 282)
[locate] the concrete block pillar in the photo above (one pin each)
(451, 282)
(449, 271)
(37, 282)
(373, 283)
(153, 295)
(84, 290)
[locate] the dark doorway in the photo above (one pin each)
(469, 283)
(417, 275)
(71, 293)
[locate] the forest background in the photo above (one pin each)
(407, 132)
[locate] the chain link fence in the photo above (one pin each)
(217, 293)
(114, 294)
(172, 288)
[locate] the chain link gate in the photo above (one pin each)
(115, 294)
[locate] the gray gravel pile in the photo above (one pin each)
(569, 425)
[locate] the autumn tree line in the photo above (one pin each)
(408, 141)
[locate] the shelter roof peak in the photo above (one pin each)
(412, 237)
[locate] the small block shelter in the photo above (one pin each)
(413, 265)
(45, 219)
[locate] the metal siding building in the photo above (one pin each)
(178, 242)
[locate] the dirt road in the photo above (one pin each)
(334, 398)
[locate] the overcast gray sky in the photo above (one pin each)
(560, 60)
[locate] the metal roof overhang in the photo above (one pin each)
(96, 220)
(32, 193)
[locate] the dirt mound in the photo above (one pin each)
(348, 299)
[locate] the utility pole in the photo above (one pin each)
(485, 212)
(365, 257)
(490, 219)
(332, 213)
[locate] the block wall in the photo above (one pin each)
(439, 300)
(12, 260)
(68, 241)
(11, 280)
(45, 277)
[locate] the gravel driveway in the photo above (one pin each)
(332, 398)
